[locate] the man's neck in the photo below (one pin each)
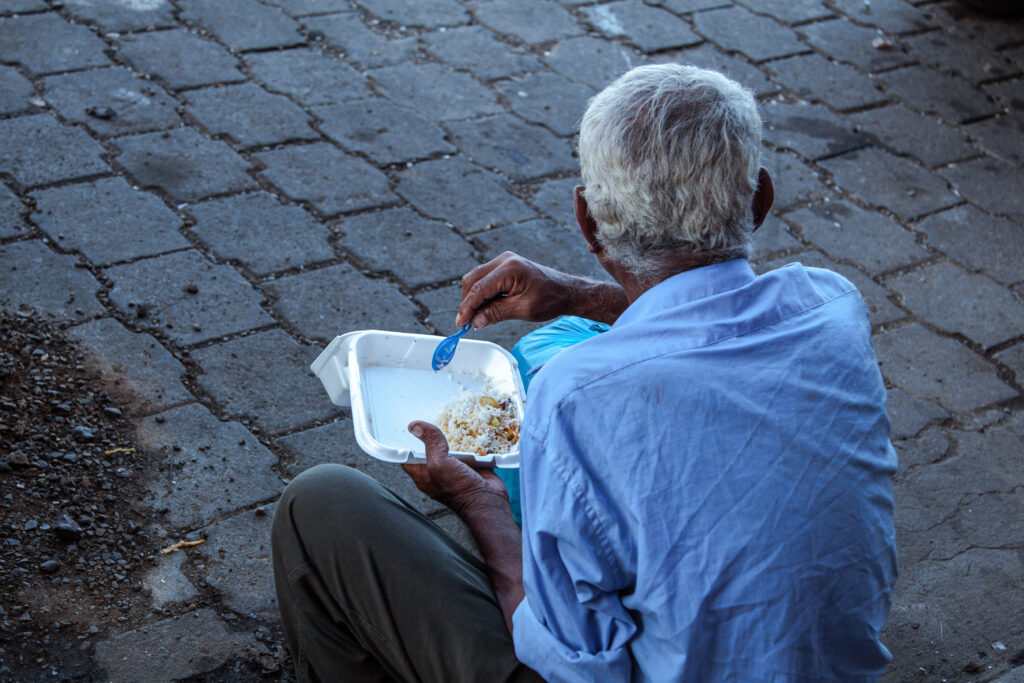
(664, 268)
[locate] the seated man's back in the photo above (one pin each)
(706, 490)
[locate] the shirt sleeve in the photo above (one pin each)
(572, 625)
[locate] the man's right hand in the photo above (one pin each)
(511, 287)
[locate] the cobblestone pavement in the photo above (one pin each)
(204, 193)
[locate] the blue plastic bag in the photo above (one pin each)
(532, 352)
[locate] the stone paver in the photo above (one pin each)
(757, 37)
(991, 183)
(548, 99)
(180, 58)
(846, 231)
(111, 101)
(554, 198)
(893, 182)
(1014, 358)
(241, 227)
(950, 97)
(184, 164)
(590, 60)
(978, 240)
(15, 91)
(436, 13)
(360, 44)
(107, 220)
(649, 28)
(12, 222)
(186, 297)
(789, 11)
(34, 278)
(300, 8)
(167, 584)
(892, 16)
(37, 150)
(454, 190)
(795, 182)
(118, 15)
(975, 62)
(847, 42)
(384, 131)
(925, 364)
(706, 56)
(476, 49)
(415, 250)
(545, 242)
(1001, 136)
(244, 24)
(20, 42)
(534, 21)
(773, 236)
(910, 414)
(240, 568)
(809, 129)
(309, 76)
(205, 468)
(840, 86)
(324, 303)
(282, 395)
(172, 649)
(249, 115)
(516, 149)
(132, 365)
(926, 138)
(991, 314)
(326, 177)
(435, 90)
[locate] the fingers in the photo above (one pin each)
(433, 440)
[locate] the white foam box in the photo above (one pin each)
(386, 379)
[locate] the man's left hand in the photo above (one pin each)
(449, 480)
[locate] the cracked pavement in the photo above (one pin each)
(204, 193)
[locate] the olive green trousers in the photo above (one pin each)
(371, 590)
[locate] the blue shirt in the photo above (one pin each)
(706, 488)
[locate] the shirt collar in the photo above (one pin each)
(688, 286)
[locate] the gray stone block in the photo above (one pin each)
(15, 91)
(939, 369)
(464, 195)
(266, 377)
(847, 232)
(891, 16)
(172, 649)
(180, 58)
(789, 11)
(166, 583)
(324, 303)
(956, 301)
(34, 278)
(1001, 136)
(682, 6)
(360, 44)
(249, 115)
(772, 237)
(418, 251)
(326, 177)
(1014, 676)
(300, 8)
(908, 415)
(244, 24)
(795, 182)
(929, 448)
(309, 76)
(184, 164)
(516, 149)
(37, 150)
(545, 242)
(17, 6)
(205, 468)
(260, 232)
(107, 221)
(415, 13)
(186, 297)
(383, 131)
(335, 443)
(926, 138)
(534, 21)
(847, 42)
(132, 365)
(475, 49)
(118, 15)
(707, 56)
(594, 61)
(111, 101)
(809, 129)
(991, 183)
(1009, 93)
(974, 61)
(548, 99)
(737, 30)
(840, 86)
(435, 90)
(1013, 357)
(554, 198)
(885, 180)
(239, 562)
(443, 304)
(12, 221)
(649, 28)
(29, 40)
(927, 90)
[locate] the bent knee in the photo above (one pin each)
(329, 494)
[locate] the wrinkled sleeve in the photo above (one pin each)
(572, 625)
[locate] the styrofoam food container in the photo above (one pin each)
(386, 378)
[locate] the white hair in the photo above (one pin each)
(669, 156)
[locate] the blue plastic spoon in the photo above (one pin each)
(445, 351)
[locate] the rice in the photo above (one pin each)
(484, 424)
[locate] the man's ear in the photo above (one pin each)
(588, 226)
(764, 196)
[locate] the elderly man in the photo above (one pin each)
(705, 485)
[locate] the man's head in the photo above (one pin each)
(670, 157)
